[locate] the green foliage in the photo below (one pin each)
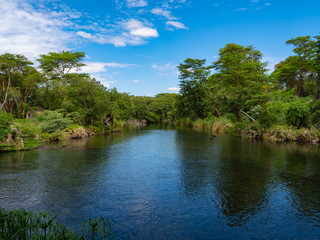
(29, 128)
(298, 114)
(5, 121)
(52, 121)
(24, 225)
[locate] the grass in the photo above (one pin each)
(26, 225)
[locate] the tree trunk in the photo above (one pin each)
(7, 90)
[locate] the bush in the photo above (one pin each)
(53, 121)
(5, 120)
(221, 125)
(29, 128)
(298, 114)
(237, 128)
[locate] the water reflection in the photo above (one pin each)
(172, 184)
(237, 174)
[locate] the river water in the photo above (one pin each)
(172, 184)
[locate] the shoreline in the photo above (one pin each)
(277, 134)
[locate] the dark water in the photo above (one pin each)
(172, 184)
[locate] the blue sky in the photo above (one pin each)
(135, 45)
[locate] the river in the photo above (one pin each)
(172, 184)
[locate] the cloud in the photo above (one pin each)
(137, 28)
(137, 3)
(131, 31)
(136, 81)
(99, 67)
(164, 13)
(174, 89)
(145, 32)
(168, 69)
(33, 31)
(85, 34)
(175, 24)
(104, 78)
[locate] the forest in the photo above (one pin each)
(237, 94)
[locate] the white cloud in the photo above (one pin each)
(104, 78)
(107, 83)
(85, 34)
(132, 32)
(145, 32)
(137, 28)
(136, 81)
(99, 67)
(168, 69)
(164, 13)
(137, 3)
(33, 31)
(176, 25)
(174, 89)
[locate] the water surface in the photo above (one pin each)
(172, 184)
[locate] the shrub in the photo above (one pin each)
(53, 121)
(221, 125)
(29, 128)
(5, 120)
(298, 114)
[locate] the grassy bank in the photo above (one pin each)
(253, 130)
(51, 126)
(25, 225)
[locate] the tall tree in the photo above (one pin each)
(299, 69)
(60, 64)
(194, 85)
(59, 67)
(240, 77)
(12, 68)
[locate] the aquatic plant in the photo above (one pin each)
(26, 225)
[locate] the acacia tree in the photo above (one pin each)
(15, 72)
(299, 69)
(59, 67)
(240, 77)
(195, 93)
(60, 64)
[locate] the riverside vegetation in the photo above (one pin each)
(24, 225)
(235, 94)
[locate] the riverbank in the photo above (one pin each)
(27, 134)
(253, 130)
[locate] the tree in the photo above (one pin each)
(59, 67)
(12, 68)
(60, 64)
(194, 90)
(240, 79)
(298, 70)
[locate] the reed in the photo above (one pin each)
(26, 225)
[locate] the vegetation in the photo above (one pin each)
(238, 91)
(56, 102)
(235, 94)
(24, 225)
